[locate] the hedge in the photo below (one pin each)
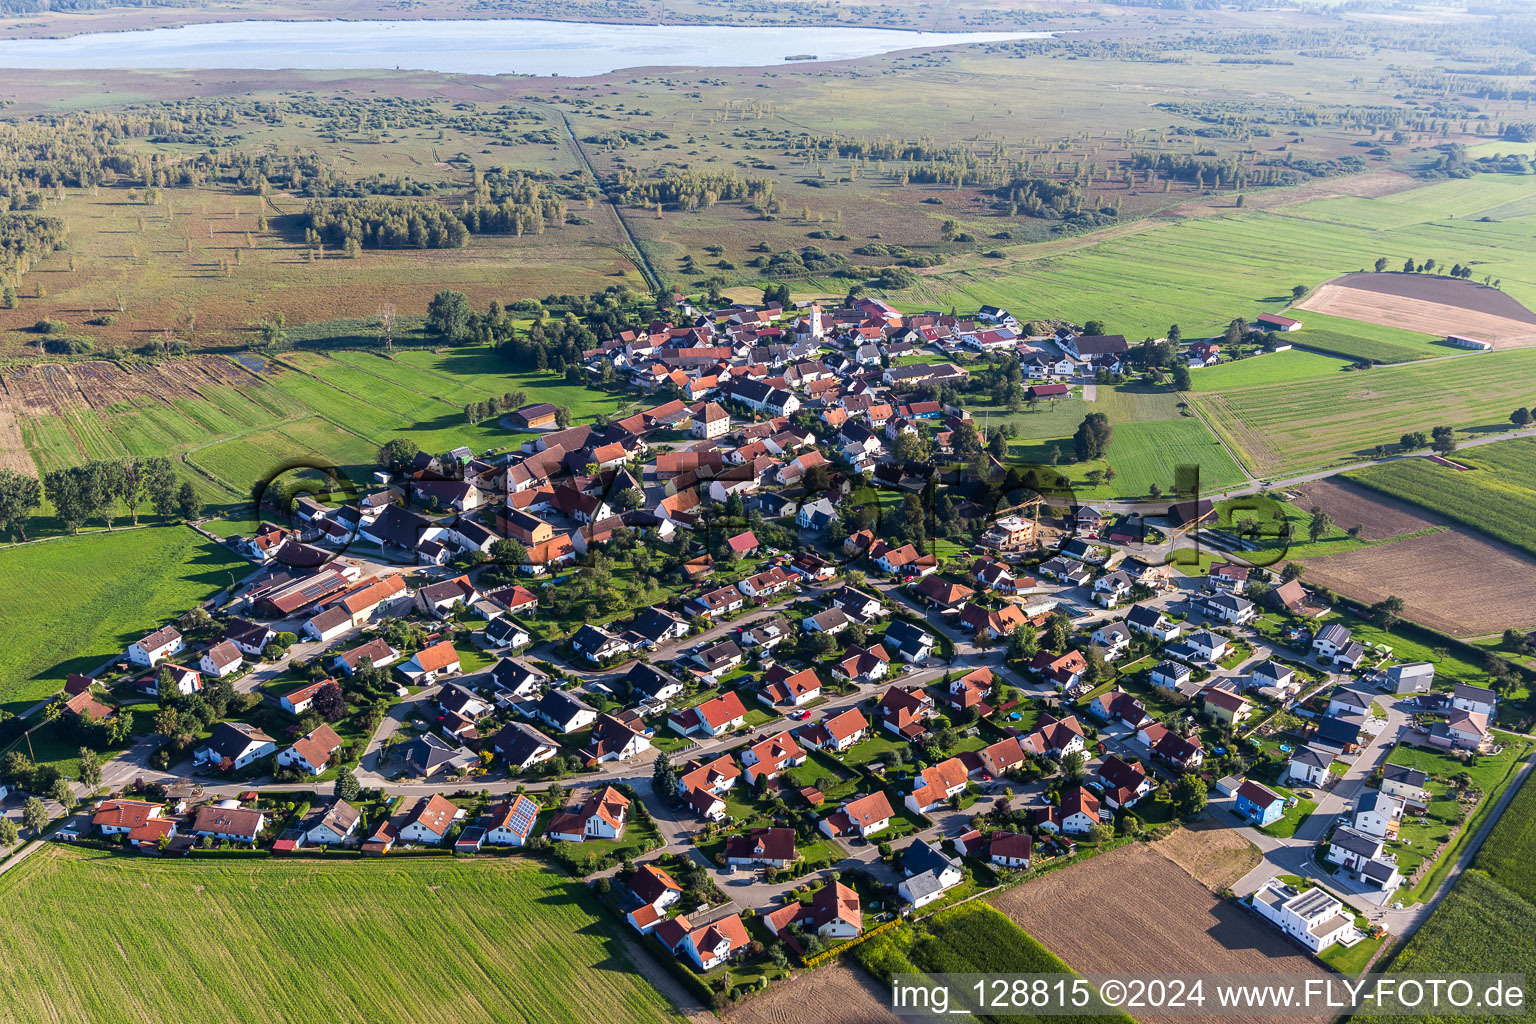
(837, 951)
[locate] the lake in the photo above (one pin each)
(567, 49)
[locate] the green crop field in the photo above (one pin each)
(1506, 854)
(1201, 273)
(240, 461)
(1275, 368)
(426, 940)
(1480, 925)
(969, 939)
(1152, 436)
(67, 605)
(1355, 339)
(1497, 496)
(1287, 426)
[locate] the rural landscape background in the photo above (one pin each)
(232, 270)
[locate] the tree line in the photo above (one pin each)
(97, 490)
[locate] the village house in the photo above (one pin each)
(233, 823)
(768, 758)
(1378, 814)
(427, 664)
(1309, 766)
(232, 746)
(1259, 805)
(1314, 918)
(522, 747)
(1409, 785)
(312, 752)
(708, 946)
(150, 650)
(837, 732)
(902, 710)
(833, 913)
(793, 690)
(1124, 782)
(762, 847)
(430, 820)
(331, 825)
(712, 718)
(1079, 810)
(220, 660)
(928, 874)
(563, 711)
(864, 816)
(602, 816)
(934, 786)
(615, 739)
(139, 821)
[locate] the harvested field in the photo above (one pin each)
(1451, 581)
(1160, 921)
(13, 451)
(1428, 303)
(1216, 857)
(838, 993)
(1380, 516)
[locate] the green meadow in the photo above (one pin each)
(66, 605)
(1292, 425)
(429, 940)
(1200, 273)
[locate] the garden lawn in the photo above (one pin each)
(70, 604)
(265, 940)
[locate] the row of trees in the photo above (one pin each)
(97, 489)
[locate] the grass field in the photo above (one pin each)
(1152, 436)
(422, 940)
(1281, 427)
(968, 939)
(1201, 273)
(310, 407)
(1355, 339)
(1274, 368)
(66, 605)
(1497, 497)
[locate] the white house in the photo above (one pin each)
(312, 752)
(1313, 918)
(150, 650)
(1378, 814)
(1309, 765)
(430, 820)
(929, 874)
(220, 660)
(933, 786)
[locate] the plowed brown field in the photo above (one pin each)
(1135, 911)
(1451, 581)
(837, 994)
(1381, 517)
(1427, 303)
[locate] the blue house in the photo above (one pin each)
(1259, 804)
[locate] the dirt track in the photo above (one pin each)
(1429, 304)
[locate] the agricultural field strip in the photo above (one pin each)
(1285, 426)
(236, 939)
